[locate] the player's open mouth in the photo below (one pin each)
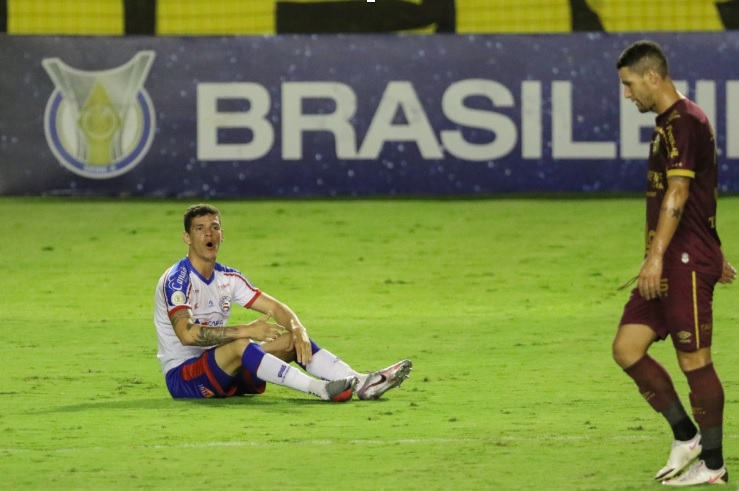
(209, 244)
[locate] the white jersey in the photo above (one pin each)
(182, 287)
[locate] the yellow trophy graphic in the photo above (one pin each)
(100, 124)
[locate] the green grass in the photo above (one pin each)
(507, 308)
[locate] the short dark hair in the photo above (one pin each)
(642, 56)
(199, 210)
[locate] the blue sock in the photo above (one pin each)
(314, 348)
(252, 358)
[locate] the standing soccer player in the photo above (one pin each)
(202, 356)
(682, 265)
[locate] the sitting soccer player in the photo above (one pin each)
(201, 356)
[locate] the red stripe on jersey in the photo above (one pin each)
(251, 302)
(177, 309)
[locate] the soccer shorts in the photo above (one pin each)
(684, 311)
(202, 377)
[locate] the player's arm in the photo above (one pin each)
(289, 321)
(673, 205)
(192, 334)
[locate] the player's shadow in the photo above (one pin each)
(281, 404)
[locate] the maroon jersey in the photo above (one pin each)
(683, 145)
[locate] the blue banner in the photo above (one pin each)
(324, 116)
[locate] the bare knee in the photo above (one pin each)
(694, 360)
(631, 344)
(228, 356)
(623, 354)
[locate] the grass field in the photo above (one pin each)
(507, 308)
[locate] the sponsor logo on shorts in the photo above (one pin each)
(684, 337)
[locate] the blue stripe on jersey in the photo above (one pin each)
(177, 284)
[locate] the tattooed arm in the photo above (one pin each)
(673, 205)
(192, 334)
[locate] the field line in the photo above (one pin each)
(402, 441)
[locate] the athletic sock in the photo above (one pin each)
(712, 453)
(328, 366)
(654, 383)
(271, 369)
(707, 400)
(683, 428)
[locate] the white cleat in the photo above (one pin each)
(379, 382)
(681, 456)
(698, 473)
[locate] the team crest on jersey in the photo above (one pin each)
(177, 298)
(100, 124)
(225, 304)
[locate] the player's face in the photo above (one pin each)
(637, 88)
(205, 237)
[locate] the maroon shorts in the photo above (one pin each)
(684, 312)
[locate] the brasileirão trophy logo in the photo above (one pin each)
(100, 124)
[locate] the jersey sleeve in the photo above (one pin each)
(244, 293)
(176, 288)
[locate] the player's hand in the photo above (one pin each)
(301, 341)
(728, 273)
(263, 330)
(650, 277)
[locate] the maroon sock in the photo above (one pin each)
(707, 399)
(654, 383)
(706, 396)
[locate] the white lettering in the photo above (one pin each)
(502, 127)
(233, 121)
(732, 119)
(563, 147)
(295, 122)
(210, 120)
(531, 124)
(400, 96)
(705, 97)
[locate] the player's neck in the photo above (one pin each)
(203, 266)
(667, 97)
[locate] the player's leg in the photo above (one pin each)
(242, 355)
(690, 311)
(642, 324)
(198, 378)
(324, 364)
(707, 401)
(654, 382)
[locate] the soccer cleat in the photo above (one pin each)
(682, 454)
(341, 390)
(377, 383)
(698, 473)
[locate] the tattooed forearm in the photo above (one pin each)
(181, 314)
(210, 336)
(675, 213)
